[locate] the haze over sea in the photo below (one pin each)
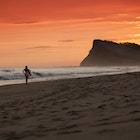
(15, 75)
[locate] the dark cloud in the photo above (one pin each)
(26, 22)
(67, 40)
(40, 47)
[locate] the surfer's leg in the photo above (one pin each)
(26, 79)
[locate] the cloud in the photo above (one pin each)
(67, 40)
(40, 47)
(137, 35)
(26, 22)
(34, 11)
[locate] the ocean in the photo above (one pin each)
(15, 75)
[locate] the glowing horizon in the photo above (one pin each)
(60, 33)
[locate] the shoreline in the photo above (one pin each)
(100, 107)
(37, 80)
(12, 76)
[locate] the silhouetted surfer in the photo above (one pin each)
(27, 73)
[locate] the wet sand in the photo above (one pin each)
(100, 108)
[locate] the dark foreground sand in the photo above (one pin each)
(96, 108)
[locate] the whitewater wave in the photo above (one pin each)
(61, 72)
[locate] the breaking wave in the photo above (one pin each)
(52, 73)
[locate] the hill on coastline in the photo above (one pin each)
(108, 53)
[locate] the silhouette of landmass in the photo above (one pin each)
(108, 53)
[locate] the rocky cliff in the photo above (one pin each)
(107, 53)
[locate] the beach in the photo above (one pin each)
(101, 108)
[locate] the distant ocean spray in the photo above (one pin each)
(15, 75)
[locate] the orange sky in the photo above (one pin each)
(60, 32)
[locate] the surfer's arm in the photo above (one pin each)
(24, 72)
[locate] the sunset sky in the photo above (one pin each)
(60, 32)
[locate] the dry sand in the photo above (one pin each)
(94, 108)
